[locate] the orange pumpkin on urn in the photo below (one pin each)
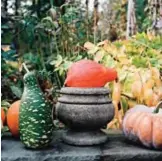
(88, 73)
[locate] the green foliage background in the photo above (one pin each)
(49, 36)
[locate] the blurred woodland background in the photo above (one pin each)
(50, 35)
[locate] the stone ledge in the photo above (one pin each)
(116, 149)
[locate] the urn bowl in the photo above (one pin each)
(84, 111)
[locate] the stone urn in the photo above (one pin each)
(84, 111)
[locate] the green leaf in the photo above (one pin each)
(48, 18)
(66, 65)
(61, 71)
(53, 62)
(3, 130)
(109, 61)
(9, 55)
(79, 57)
(55, 23)
(4, 103)
(5, 26)
(122, 75)
(124, 104)
(16, 91)
(58, 61)
(139, 61)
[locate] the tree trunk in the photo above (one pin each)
(131, 19)
(156, 15)
(96, 17)
(87, 16)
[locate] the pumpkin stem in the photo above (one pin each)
(25, 67)
(158, 106)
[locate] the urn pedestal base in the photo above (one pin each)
(83, 138)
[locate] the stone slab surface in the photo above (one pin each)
(115, 149)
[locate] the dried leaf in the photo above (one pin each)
(105, 42)
(99, 55)
(5, 47)
(89, 45)
(93, 50)
(137, 89)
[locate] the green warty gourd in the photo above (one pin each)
(35, 119)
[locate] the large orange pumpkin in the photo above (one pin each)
(144, 124)
(13, 118)
(87, 73)
(3, 116)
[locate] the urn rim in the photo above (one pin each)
(84, 91)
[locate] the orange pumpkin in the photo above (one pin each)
(3, 116)
(87, 73)
(144, 124)
(13, 118)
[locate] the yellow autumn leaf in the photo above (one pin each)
(13, 64)
(123, 59)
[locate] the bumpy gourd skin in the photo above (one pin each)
(35, 119)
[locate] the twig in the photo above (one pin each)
(129, 97)
(25, 67)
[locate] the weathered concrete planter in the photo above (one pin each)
(84, 111)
